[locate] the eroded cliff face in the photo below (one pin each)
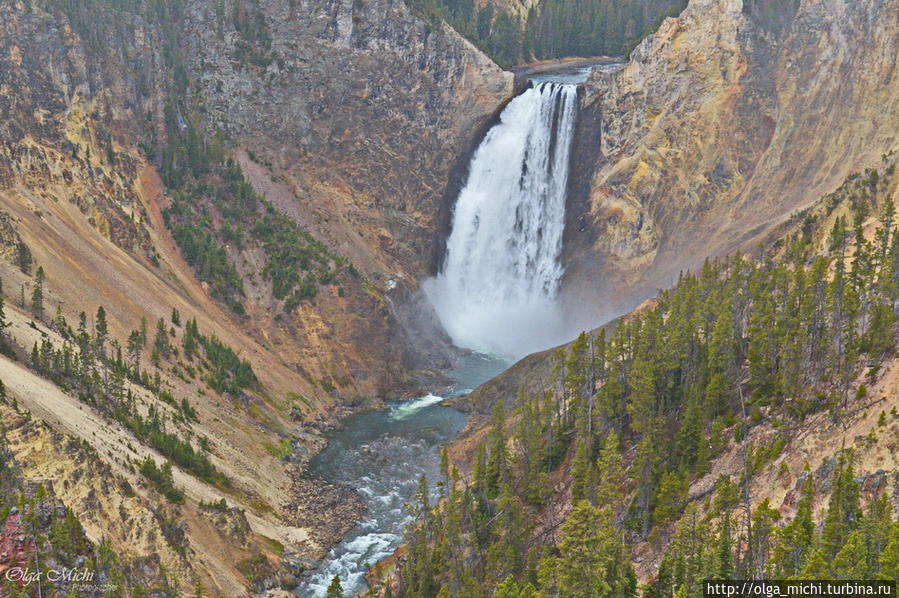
(727, 120)
(363, 113)
(355, 129)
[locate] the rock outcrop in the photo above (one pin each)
(726, 121)
(363, 112)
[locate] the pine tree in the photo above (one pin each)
(889, 558)
(725, 557)
(642, 403)
(576, 371)
(479, 468)
(497, 466)
(843, 509)
(762, 339)
(5, 346)
(719, 355)
(189, 339)
(759, 548)
(587, 547)
(37, 294)
(134, 351)
(883, 241)
(875, 529)
(161, 342)
(610, 490)
(335, 589)
(851, 562)
(645, 466)
(101, 332)
(689, 559)
(669, 499)
(795, 540)
(816, 567)
(583, 473)
(529, 436)
(510, 530)
(690, 437)
(143, 330)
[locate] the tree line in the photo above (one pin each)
(632, 414)
(553, 28)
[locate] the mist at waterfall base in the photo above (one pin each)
(383, 454)
(497, 290)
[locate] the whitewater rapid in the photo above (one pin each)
(383, 454)
(498, 287)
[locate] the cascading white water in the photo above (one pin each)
(496, 292)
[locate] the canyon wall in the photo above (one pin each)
(349, 123)
(348, 117)
(363, 112)
(729, 119)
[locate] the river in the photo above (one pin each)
(495, 293)
(383, 454)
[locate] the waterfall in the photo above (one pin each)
(497, 288)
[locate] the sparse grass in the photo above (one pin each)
(255, 568)
(280, 450)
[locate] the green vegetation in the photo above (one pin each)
(256, 567)
(593, 28)
(740, 343)
(553, 28)
(228, 373)
(280, 450)
(291, 251)
(220, 505)
(254, 45)
(100, 382)
(6, 346)
(52, 532)
(37, 294)
(210, 262)
(213, 206)
(162, 477)
(335, 588)
(851, 544)
(94, 368)
(296, 263)
(23, 257)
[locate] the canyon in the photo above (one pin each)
(359, 122)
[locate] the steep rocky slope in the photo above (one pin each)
(348, 117)
(354, 112)
(364, 113)
(724, 122)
